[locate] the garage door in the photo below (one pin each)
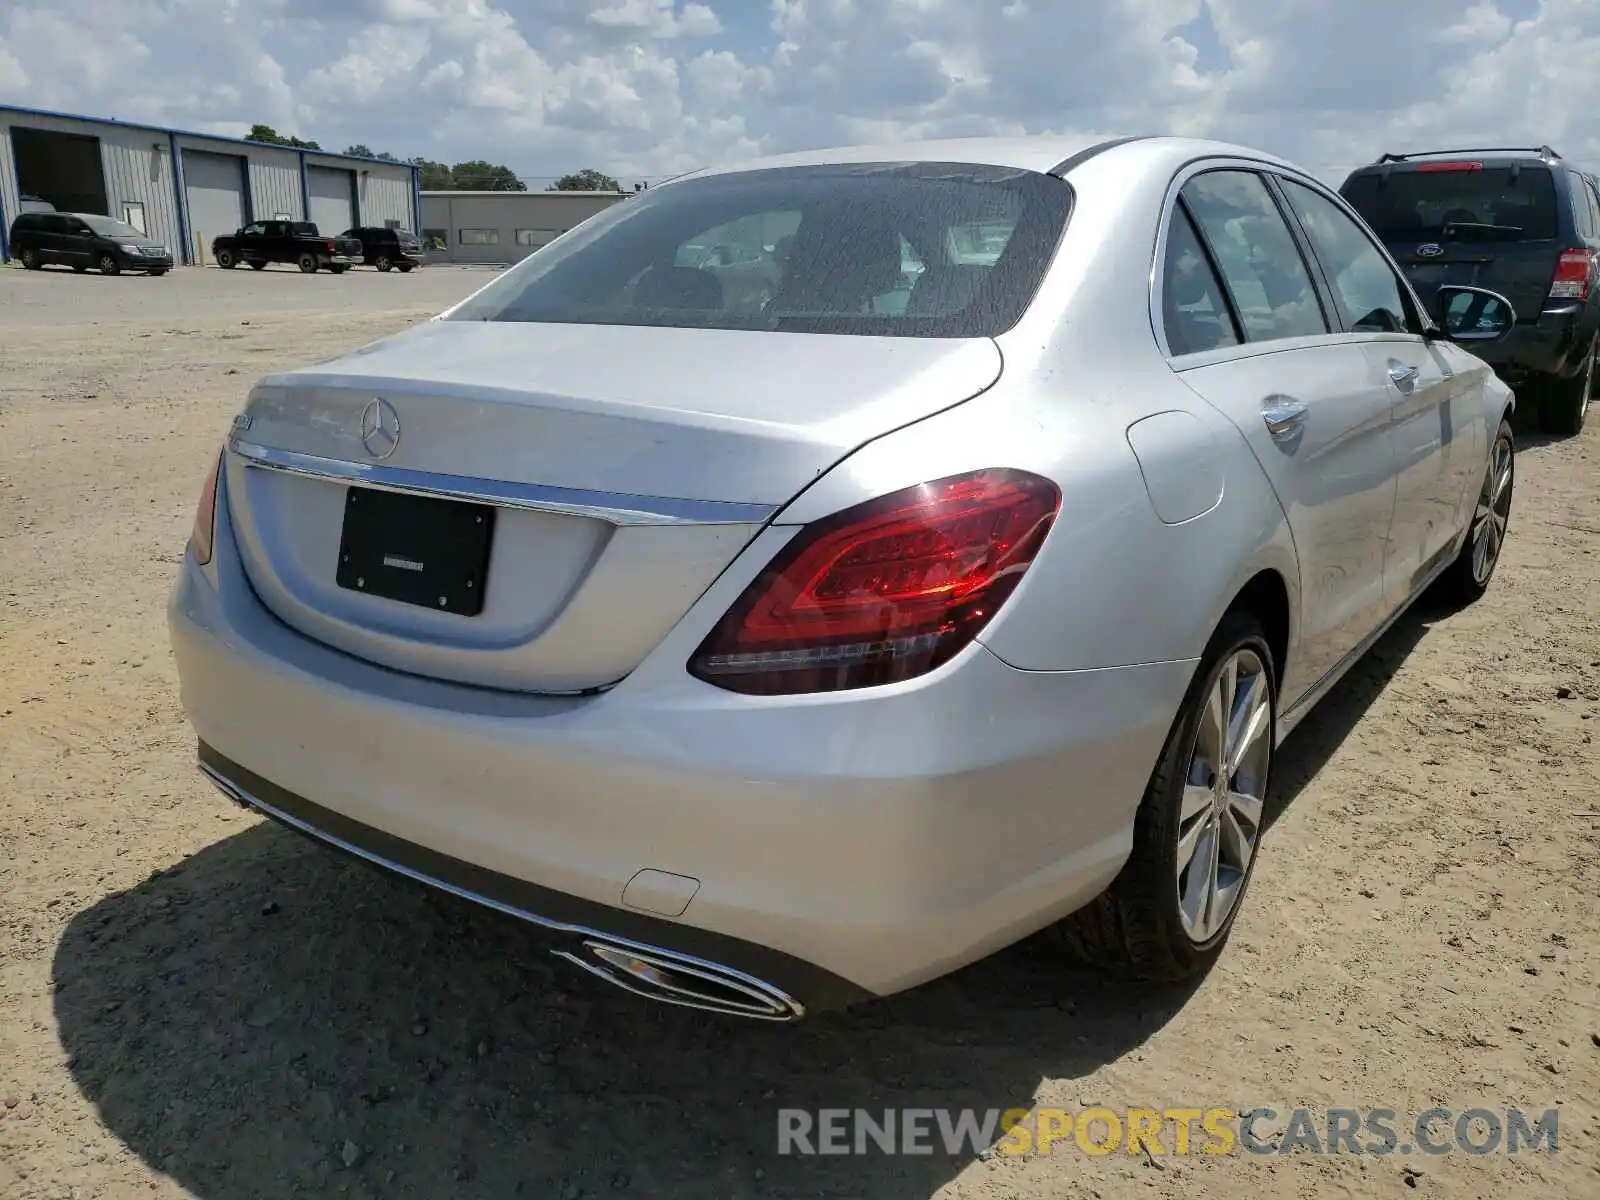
(330, 199)
(214, 184)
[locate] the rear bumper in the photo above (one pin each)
(833, 846)
(1552, 345)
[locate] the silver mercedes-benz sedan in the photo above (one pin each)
(953, 576)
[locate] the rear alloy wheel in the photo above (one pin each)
(30, 260)
(383, 263)
(226, 260)
(1468, 577)
(1563, 408)
(1168, 913)
(307, 262)
(109, 265)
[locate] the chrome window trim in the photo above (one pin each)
(616, 508)
(1249, 349)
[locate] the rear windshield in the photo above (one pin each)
(1489, 204)
(886, 249)
(304, 229)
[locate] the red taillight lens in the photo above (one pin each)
(330, 247)
(1571, 280)
(1449, 166)
(202, 537)
(884, 591)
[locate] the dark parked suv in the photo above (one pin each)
(84, 240)
(387, 248)
(1524, 223)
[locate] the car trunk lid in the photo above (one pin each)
(621, 469)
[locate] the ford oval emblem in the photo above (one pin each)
(1431, 250)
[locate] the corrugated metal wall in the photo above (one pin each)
(540, 215)
(386, 196)
(137, 165)
(275, 184)
(10, 204)
(138, 169)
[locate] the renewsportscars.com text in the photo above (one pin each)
(1163, 1131)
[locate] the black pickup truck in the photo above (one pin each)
(298, 242)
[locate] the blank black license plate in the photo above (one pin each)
(416, 549)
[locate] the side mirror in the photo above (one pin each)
(1471, 314)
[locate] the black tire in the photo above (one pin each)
(158, 272)
(338, 268)
(1467, 578)
(1565, 404)
(30, 260)
(307, 262)
(79, 270)
(405, 268)
(258, 265)
(382, 262)
(109, 265)
(226, 260)
(1134, 928)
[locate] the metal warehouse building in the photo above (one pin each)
(502, 227)
(183, 189)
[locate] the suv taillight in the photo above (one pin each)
(885, 591)
(330, 247)
(1571, 281)
(202, 537)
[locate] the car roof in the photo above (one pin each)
(1041, 153)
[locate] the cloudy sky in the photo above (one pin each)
(645, 88)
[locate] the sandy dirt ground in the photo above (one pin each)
(196, 1003)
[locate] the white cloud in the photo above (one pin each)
(640, 88)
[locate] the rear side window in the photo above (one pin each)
(880, 249)
(1259, 259)
(1470, 202)
(1194, 310)
(1364, 286)
(1582, 218)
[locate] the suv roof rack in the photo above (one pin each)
(1543, 152)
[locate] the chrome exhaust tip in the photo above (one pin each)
(684, 981)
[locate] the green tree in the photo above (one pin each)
(432, 176)
(586, 180)
(269, 135)
(480, 176)
(362, 150)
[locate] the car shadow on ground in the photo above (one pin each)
(240, 1018)
(269, 1019)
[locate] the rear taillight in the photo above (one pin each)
(1571, 281)
(884, 591)
(202, 537)
(330, 247)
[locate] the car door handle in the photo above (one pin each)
(1403, 376)
(1284, 417)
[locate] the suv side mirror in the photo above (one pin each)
(1472, 314)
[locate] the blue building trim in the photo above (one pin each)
(305, 190)
(416, 202)
(355, 196)
(180, 196)
(212, 137)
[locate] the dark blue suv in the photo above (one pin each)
(1521, 222)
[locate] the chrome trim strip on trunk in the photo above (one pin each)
(770, 1003)
(617, 508)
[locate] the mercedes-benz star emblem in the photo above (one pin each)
(1431, 250)
(380, 427)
